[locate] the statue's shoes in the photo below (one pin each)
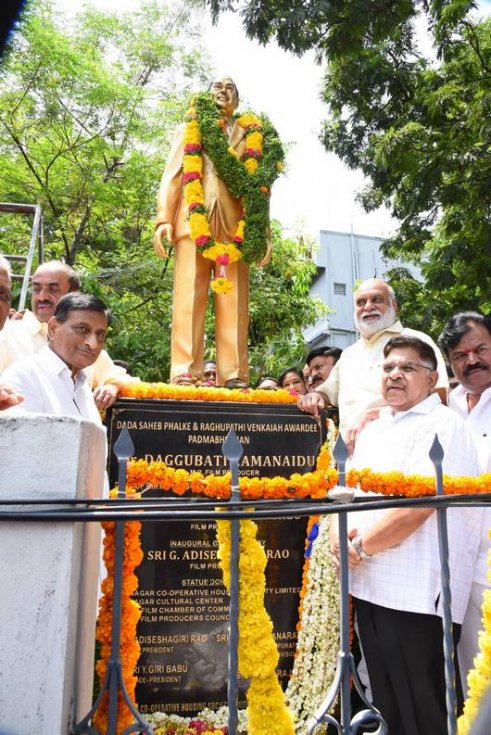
(184, 379)
(236, 383)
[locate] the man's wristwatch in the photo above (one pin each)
(357, 544)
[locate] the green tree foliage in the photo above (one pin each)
(87, 109)
(417, 126)
(88, 105)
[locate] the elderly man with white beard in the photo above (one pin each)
(354, 382)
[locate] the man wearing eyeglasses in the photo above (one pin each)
(466, 343)
(354, 382)
(393, 554)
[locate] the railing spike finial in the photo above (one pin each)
(123, 446)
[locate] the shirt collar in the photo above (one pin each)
(459, 395)
(56, 365)
(395, 328)
(33, 325)
(423, 407)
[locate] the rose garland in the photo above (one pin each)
(170, 392)
(479, 678)
(130, 615)
(207, 722)
(248, 179)
(258, 654)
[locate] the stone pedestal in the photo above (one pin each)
(48, 574)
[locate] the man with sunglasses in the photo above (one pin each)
(393, 554)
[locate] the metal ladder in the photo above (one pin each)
(37, 237)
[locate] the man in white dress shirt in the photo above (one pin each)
(393, 554)
(466, 343)
(24, 336)
(53, 380)
(354, 382)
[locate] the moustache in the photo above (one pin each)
(477, 366)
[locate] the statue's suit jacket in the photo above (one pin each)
(224, 209)
(192, 271)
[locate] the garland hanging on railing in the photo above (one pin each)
(310, 485)
(318, 635)
(158, 475)
(479, 677)
(317, 648)
(267, 713)
(130, 615)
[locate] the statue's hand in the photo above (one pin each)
(266, 258)
(162, 239)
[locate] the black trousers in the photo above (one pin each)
(404, 656)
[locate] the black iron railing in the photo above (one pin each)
(123, 509)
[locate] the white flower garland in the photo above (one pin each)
(318, 638)
(319, 635)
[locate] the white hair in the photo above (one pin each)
(384, 321)
(5, 265)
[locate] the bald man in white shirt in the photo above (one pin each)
(354, 382)
(27, 335)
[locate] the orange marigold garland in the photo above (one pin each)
(415, 486)
(161, 476)
(170, 392)
(130, 615)
(310, 485)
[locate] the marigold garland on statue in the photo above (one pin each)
(248, 179)
(258, 654)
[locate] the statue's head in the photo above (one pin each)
(225, 94)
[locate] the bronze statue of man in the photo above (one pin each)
(191, 191)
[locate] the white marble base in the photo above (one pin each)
(48, 575)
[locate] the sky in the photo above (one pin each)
(317, 191)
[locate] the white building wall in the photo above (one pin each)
(343, 260)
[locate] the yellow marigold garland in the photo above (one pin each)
(130, 615)
(258, 653)
(205, 127)
(479, 678)
(170, 392)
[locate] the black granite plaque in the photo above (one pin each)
(183, 629)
